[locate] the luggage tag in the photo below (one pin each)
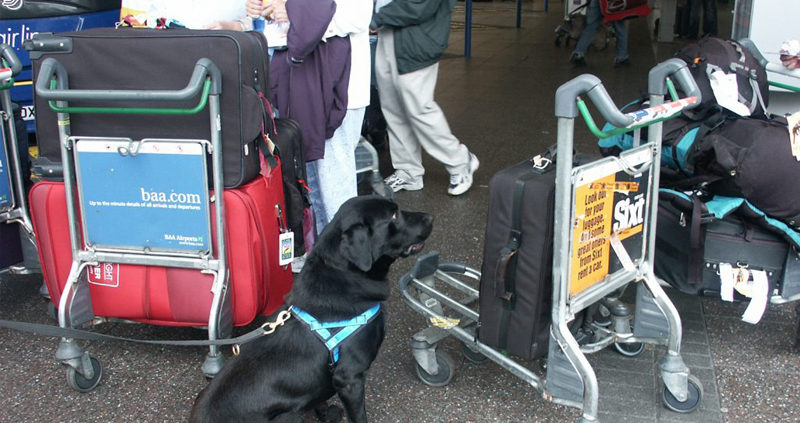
(726, 279)
(285, 240)
(726, 92)
(759, 291)
(793, 124)
(742, 283)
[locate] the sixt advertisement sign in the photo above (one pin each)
(20, 20)
(155, 200)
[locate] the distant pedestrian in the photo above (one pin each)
(594, 18)
(412, 37)
(691, 17)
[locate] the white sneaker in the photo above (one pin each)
(461, 182)
(398, 182)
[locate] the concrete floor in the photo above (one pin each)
(500, 103)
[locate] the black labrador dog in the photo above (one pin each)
(280, 375)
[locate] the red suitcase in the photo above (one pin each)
(175, 296)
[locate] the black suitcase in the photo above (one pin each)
(691, 243)
(516, 275)
(143, 59)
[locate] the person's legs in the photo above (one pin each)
(315, 196)
(430, 126)
(405, 150)
(337, 170)
(693, 19)
(710, 17)
(621, 32)
(593, 19)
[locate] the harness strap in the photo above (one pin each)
(347, 328)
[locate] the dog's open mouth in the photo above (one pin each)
(413, 249)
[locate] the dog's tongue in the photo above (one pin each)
(414, 248)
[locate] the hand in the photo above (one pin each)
(276, 10)
(255, 8)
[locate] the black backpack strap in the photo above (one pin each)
(697, 237)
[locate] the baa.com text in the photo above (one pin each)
(157, 199)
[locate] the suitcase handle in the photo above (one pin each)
(503, 285)
(7, 54)
(52, 68)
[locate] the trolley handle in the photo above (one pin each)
(7, 53)
(569, 102)
(677, 70)
(52, 68)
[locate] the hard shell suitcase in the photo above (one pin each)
(143, 59)
(176, 296)
(691, 244)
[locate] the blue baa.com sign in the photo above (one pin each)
(157, 199)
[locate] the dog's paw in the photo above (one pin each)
(329, 413)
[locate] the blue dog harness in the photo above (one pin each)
(346, 328)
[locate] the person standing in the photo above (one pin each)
(412, 36)
(594, 17)
(332, 178)
(692, 15)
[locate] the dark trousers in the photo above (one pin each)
(691, 18)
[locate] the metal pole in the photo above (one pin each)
(468, 29)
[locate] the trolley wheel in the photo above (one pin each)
(695, 395)
(79, 383)
(473, 356)
(445, 374)
(629, 349)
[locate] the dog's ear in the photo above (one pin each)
(356, 246)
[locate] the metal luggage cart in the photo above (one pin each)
(368, 168)
(13, 197)
(84, 158)
(570, 379)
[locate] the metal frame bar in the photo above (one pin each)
(204, 70)
(19, 212)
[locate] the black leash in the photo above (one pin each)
(59, 332)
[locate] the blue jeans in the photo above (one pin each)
(332, 179)
(594, 17)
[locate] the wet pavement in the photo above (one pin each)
(500, 103)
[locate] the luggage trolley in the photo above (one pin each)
(579, 283)
(120, 227)
(13, 198)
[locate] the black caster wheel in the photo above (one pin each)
(79, 383)
(695, 395)
(444, 375)
(629, 350)
(473, 356)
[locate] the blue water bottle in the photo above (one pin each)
(259, 23)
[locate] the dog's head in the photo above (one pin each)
(374, 228)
